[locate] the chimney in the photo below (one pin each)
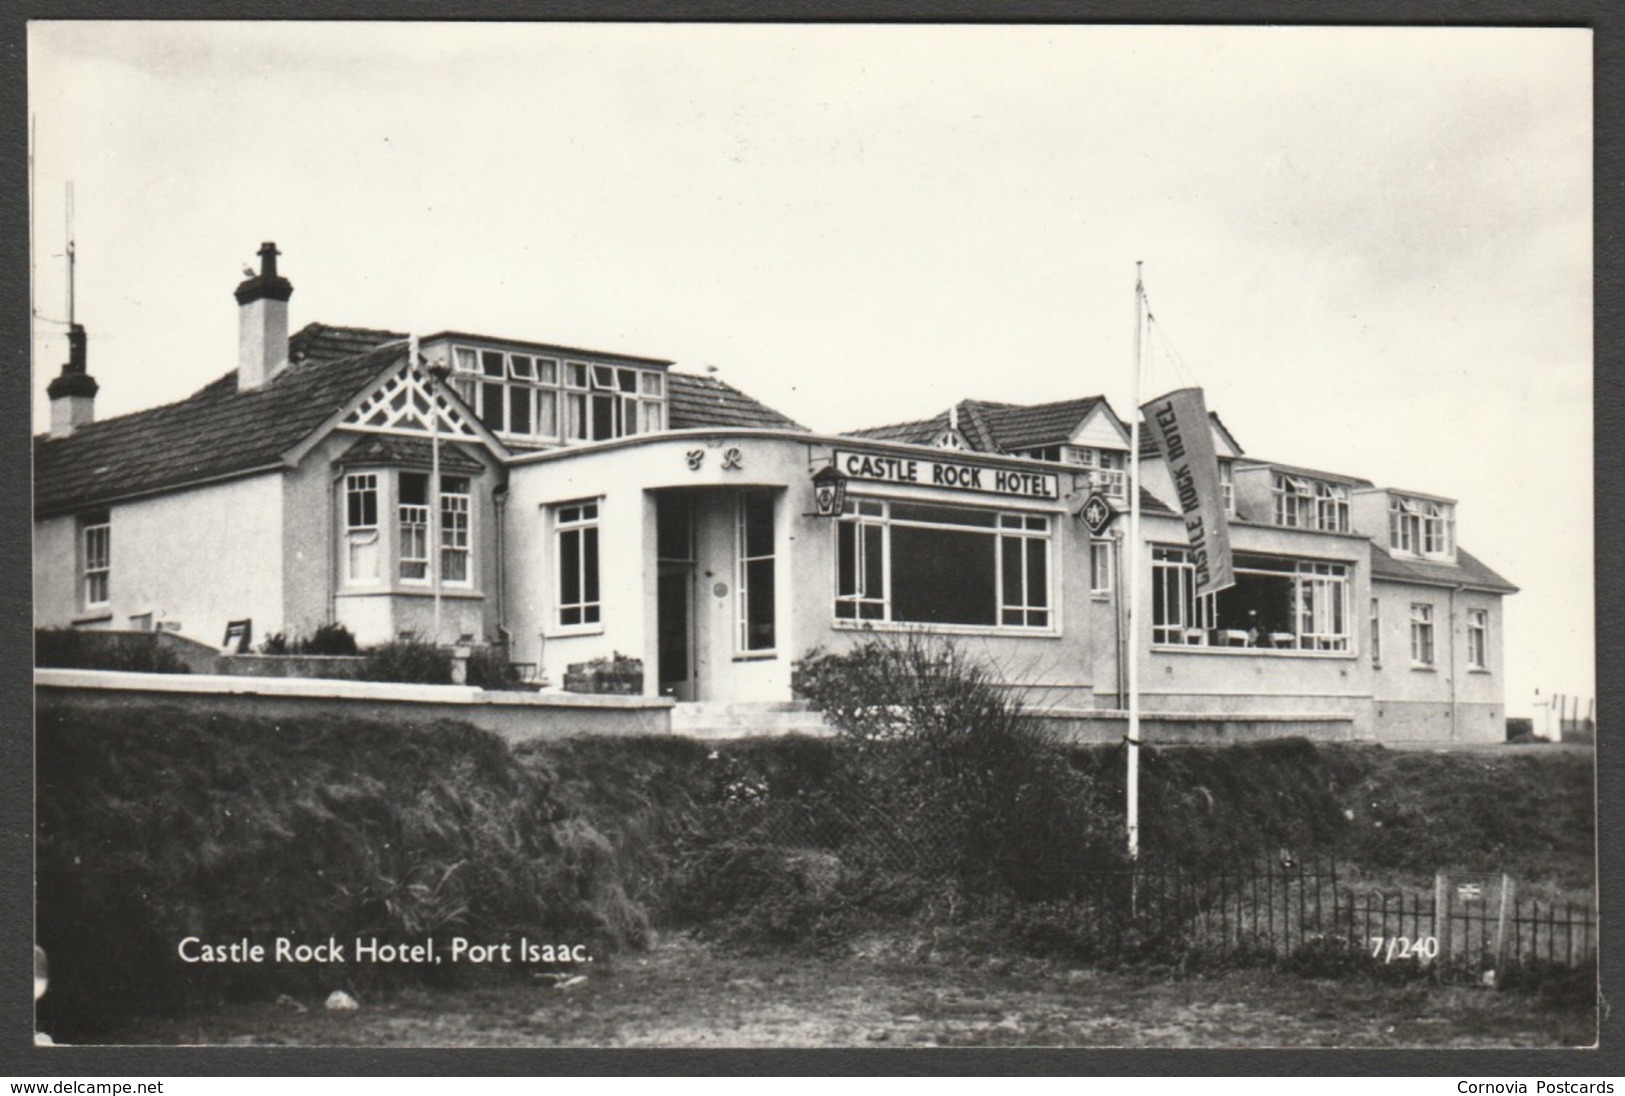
(262, 323)
(73, 392)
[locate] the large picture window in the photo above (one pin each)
(576, 543)
(756, 573)
(923, 563)
(97, 540)
(1277, 603)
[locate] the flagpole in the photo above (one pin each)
(1134, 550)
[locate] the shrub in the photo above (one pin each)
(330, 639)
(409, 661)
(928, 732)
(132, 652)
(489, 668)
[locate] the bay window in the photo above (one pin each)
(361, 534)
(455, 534)
(413, 513)
(1277, 603)
(924, 563)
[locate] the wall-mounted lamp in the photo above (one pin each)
(829, 491)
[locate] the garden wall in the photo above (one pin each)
(516, 716)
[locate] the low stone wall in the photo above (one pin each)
(516, 716)
(329, 667)
(1196, 728)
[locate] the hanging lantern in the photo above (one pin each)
(829, 491)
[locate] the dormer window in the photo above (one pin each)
(1303, 503)
(1294, 499)
(521, 395)
(1437, 529)
(1421, 527)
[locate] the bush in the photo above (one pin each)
(489, 668)
(928, 732)
(132, 652)
(409, 661)
(329, 639)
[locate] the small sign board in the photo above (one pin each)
(1097, 513)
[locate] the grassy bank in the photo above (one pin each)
(155, 825)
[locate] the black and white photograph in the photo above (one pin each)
(728, 535)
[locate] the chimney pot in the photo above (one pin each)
(262, 322)
(73, 392)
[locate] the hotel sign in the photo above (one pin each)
(952, 474)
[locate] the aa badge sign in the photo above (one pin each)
(1179, 423)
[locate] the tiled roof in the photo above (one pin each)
(920, 432)
(215, 432)
(323, 342)
(1310, 473)
(696, 402)
(1466, 571)
(994, 427)
(1017, 427)
(391, 449)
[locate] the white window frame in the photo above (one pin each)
(575, 520)
(1321, 593)
(1404, 526)
(1423, 648)
(1478, 639)
(1438, 529)
(742, 636)
(361, 538)
(1331, 507)
(558, 394)
(96, 546)
(1191, 618)
(456, 530)
(868, 608)
(1100, 566)
(1227, 484)
(412, 525)
(1294, 501)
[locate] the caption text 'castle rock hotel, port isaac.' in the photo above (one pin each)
(591, 504)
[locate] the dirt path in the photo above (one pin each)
(685, 994)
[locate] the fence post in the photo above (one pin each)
(1501, 930)
(1441, 914)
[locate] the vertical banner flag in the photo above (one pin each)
(1179, 424)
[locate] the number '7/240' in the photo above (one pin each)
(1389, 948)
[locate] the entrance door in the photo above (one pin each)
(676, 631)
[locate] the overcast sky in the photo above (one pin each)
(1371, 247)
